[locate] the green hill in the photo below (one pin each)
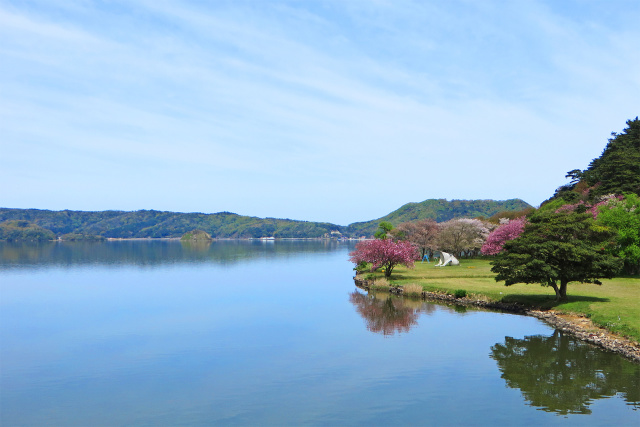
(158, 224)
(439, 210)
(21, 230)
(195, 236)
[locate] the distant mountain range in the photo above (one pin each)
(156, 224)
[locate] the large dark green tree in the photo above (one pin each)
(557, 248)
(616, 171)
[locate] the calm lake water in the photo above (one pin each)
(273, 333)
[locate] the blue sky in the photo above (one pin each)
(335, 111)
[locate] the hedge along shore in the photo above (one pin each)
(580, 327)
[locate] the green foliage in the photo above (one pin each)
(362, 266)
(440, 210)
(22, 230)
(460, 293)
(617, 170)
(557, 248)
(623, 216)
(552, 205)
(383, 228)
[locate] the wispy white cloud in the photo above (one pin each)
(294, 105)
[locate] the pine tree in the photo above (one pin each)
(557, 248)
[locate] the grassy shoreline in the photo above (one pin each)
(615, 305)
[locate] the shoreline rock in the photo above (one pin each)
(579, 326)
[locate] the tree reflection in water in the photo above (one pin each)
(561, 374)
(196, 245)
(387, 314)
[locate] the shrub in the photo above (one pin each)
(362, 266)
(460, 293)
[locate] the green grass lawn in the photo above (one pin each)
(614, 305)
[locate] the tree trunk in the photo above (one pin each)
(632, 269)
(387, 270)
(563, 290)
(555, 288)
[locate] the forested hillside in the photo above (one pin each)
(20, 230)
(156, 224)
(609, 189)
(439, 210)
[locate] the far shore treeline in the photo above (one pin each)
(39, 224)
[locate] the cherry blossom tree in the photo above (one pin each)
(505, 232)
(384, 254)
(422, 233)
(462, 235)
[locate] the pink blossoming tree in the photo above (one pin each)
(385, 253)
(505, 232)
